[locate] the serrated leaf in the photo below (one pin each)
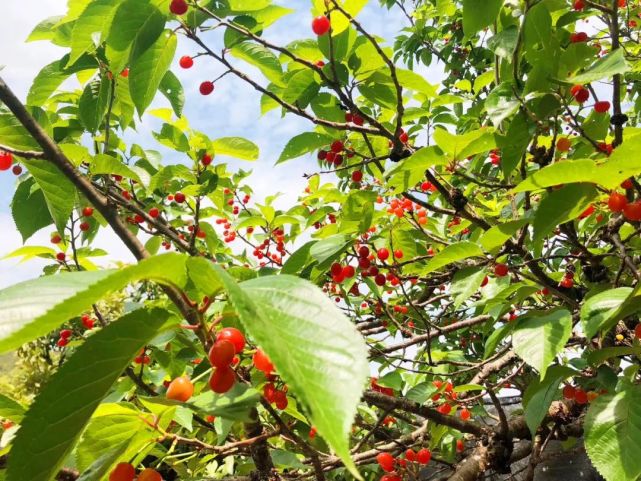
(92, 105)
(95, 19)
(453, 253)
(540, 393)
(497, 235)
(237, 147)
(29, 209)
(106, 164)
(13, 134)
(234, 404)
(613, 433)
(172, 89)
(605, 67)
(11, 409)
(465, 283)
(55, 420)
(261, 58)
(289, 318)
(149, 68)
(59, 192)
(462, 146)
(598, 309)
(478, 15)
(33, 308)
(538, 338)
(52, 75)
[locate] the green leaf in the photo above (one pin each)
(561, 206)
(327, 249)
(172, 89)
(261, 58)
(10, 409)
(63, 408)
(501, 103)
(13, 134)
(465, 283)
(149, 68)
(595, 358)
(304, 144)
(540, 393)
(106, 164)
(58, 191)
(339, 21)
(605, 67)
(92, 105)
(103, 464)
(135, 22)
(314, 347)
(612, 432)
(462, 146)
(599, 308)
(453, 253)
(44, 30)
(413, 81)
(96, 18)
(504, 43)
(29, 209)
(566, 172)
(538, 338)
(52, 75)
(236, 147)
(479, 14)
(234, 404)
(33, 308)
(498, 235)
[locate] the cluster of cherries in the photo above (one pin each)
(126, 472)
(229, 342)
(6, 162)
(334, 155)
(618, 202)
(65, 334)
(581, 95)
(399, 207)
(261, 251)
(578, 395)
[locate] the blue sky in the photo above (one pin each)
(232, 110)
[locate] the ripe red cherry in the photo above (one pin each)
(87, 321)
(321, 25)
(379, 279)
(337, 146)
(563, 144)
(566, 282)
(6, 160)
(382, 254)
(363, 251)
(485, 281)
(348, 272)
(385, 461)
(207, 159)
(56, 239)
(627, 184)
(61, 256)
(222, 380)
(149, 474)
(465, 414)
(206, 87)
(222, 353)
(186, 62)
(357, 176)
(154, 212)
(262, 362)
(180, 389)
(178, 7)
(579, 5)
(580, 93)
(578, 37)
(62, 342)
(391, 477)
(17, 170)
(403, 137)
(336, 269)
(602, 106)
(501, 270)
(637, 331)
(398, 254)
(234, 336)
(410, 455)
(445, 409)
(569, 392)
(424, 456)
(460, 447)
(179, 197)
(617, 202)
(65, 333)
(580, 396)
(122, 472)
(84, 226)
(632, 211)
(280, 399)
(87, 211)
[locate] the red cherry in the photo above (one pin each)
(262, 362)
(579, 5)
(181, 389)
(154, 213)
(385, 461)
(569, 392)
(186, 62)
(65, 333)
(391, 477)
(566, 282)
(637, 331)
(410, 455)
(222, 353)
(403, 137)
(460, 446)
(382, 254)
(348, 272)
(336, 269)
(321, 25)
(280, 399)
(563, 144)
(580, 93)
(617, 202)
(632, 211)
(398, 254)
(179, 197)
(149, 474)
(379, 279)
(6, 160)
(61, 256)
(337, 146)
(501, 270)
(207, 159)
(17, 170)
(445, 409)
(465, 414)
(627, 184)
(234, 336)
(578, 37)
(602, 106)
(87, 321)
(122, 472)
(87, 211)
(84, 226)
(56, 239)
(424, 456)
(62, 342)
(357, 176)
(580, 396)
(178, 7)
(206, 87)
(485, 281)
(222, 380)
